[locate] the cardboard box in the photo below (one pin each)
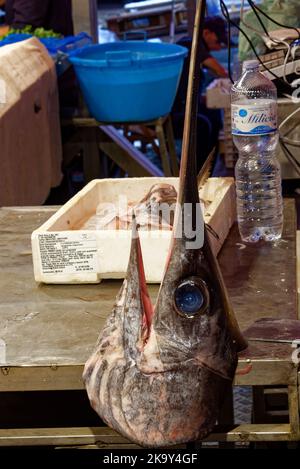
(63, 252)
(31, 151)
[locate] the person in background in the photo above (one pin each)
(53, 15)
(3, 27)
(209, 121)
(47, 14)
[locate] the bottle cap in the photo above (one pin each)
(250, 65)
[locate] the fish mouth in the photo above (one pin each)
(147, 306)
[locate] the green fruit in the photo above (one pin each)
(38, 32)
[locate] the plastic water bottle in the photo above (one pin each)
(257, 171)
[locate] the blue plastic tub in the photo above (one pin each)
(66, 44)
(129, 81)
(13, 38)
(53, 44)
(58, 48)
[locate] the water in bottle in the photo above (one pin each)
(257, 171)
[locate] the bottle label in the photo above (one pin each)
(254, 119)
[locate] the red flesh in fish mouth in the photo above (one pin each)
(148, 309)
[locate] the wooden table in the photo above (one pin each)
(48, 331)
(88, 136)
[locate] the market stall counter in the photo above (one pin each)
(48, 331)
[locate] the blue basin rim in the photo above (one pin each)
(125, 53)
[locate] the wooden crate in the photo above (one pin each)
(154, 22)
(65, 253)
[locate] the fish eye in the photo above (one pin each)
(191, 297)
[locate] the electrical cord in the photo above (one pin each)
(258, 17)
(286, 61)
(226, 15)
(284, 139)
(277, 41)
(283, 80)
(289, 141)
(242, 20)
(229, 24)
(290, 157)
(274, 21)
(288, 118)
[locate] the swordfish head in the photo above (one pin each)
(158, 374)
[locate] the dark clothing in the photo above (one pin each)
(179, 104)
(209, 121)
(47, 14)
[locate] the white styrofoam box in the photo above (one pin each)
(218, 94)
(64, 253)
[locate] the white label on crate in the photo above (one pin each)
(68, 254)
(258, 118)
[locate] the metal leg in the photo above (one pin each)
(125, 155)
(259, 407)
(171, 146)
(91, 158)
(163, 148)
(294, 410)
(227, 414)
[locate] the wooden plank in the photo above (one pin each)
(164, 154)
(134, 167)
(251, 432)
(171, 146)
(91, 154)
(116, 146)
(266, 372)
(125, 155)
(68, 377)
(294, 408)
(154, 21)
(41, 378)
(299, 390)
(105, 438)
(80, 122)
(298, 270)
(60, 436)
